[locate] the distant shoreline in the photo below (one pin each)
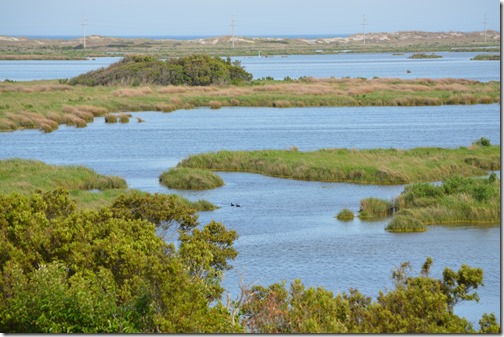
(180, 37)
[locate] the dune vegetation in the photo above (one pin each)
(375, 166)
(190, 179)
(130, 86)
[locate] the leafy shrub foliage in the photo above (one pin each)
(64, 270)
(193, 70)
(70, 271)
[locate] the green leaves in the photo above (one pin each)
(64, 270)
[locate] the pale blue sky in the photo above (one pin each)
(253, 17)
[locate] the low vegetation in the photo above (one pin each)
(88, 188)
(64, 270)
(190, 179)
(486, 57)
(457, 201)
(41, 105)
(374, 208)
(194, 70)
(345, 215)
(376, 166)
(425, 56)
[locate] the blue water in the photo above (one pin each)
(451, 65)
(288, 228)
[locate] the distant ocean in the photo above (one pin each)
(185, 37)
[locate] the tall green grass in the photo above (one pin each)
(190, 179)
(458, 200)
(88, 188)
(377, 166)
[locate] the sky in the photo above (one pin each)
(251, 17)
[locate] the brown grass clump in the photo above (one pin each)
(110, 118)
(282, 104)
(35, 88)
(96, 111)
(7, 125)
(136, 92)
(215, 104)
(71, 119)
(166, 107)
(171, 89)
(123, 118)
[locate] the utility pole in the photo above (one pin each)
(484, 23)
(363, 25)
(232, 29)
(84, 24)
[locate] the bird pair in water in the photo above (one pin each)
(237, 205)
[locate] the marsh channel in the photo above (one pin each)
(288, 228)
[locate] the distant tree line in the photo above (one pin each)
(193, 70)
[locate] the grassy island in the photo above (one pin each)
(88, 188)
(146, 84)
(486, 57)
(190, 179)
(376, 166)
(457, 200)
(425, 56)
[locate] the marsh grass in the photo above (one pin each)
(190, 179)
(458, 200)
(26, 176)
(88, 188)
(376, 166)
(110, 118)
(345, 215)
(78, 105)
(374, 208)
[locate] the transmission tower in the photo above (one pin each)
(84, 24)
(232, 30)
(363, 25)
(484, 23)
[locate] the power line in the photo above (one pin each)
(484, 23)
(232, 30)
(363, 25)
(84, 24)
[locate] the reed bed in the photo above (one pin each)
(458, 200)
(377, 166)
(58, 102)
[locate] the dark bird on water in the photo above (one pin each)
(232, 204)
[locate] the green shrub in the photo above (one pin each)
(482, 142)
(194, 70)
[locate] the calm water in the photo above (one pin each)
(288, 228)
(451, 65)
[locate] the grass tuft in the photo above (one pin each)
(190, 179)
(345, 215)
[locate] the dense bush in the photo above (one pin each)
(194, 70)
(68, 271)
